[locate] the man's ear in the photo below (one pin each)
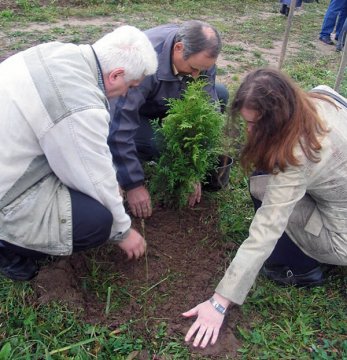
(113, 75)
(178, 47)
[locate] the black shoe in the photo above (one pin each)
(282, 275)
(326, 40)
(16, 267)
(284, 10)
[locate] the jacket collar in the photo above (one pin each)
(164, 50)
(91, 58)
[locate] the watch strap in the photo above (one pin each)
(220, 308)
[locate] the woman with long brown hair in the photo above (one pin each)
(297, 149)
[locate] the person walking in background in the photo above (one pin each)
(297, 144)
(285, 5)
(58, 190)
(334, 18)
(342, 37)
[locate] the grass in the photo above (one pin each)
(285, 323)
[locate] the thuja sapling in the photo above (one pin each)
(191, 137)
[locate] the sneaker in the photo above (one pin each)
(18, 267)
(284, 276)
(326, 40)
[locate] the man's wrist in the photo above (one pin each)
(120, 236)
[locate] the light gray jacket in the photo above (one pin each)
(54, 124)
(324, 235)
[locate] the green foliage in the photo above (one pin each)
(191, 140)
(294, 323)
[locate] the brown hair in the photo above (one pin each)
(287, 116)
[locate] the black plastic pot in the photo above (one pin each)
(219, 178)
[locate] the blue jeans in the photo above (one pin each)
(287, 2)
(337, 11)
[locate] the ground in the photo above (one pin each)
(185, 259)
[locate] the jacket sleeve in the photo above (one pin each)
(211, 79)
(76, 149)
(125, 121)
(283, 191)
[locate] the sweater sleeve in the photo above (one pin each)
(211, 79)
(125, 122)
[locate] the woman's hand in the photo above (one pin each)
(208, 322)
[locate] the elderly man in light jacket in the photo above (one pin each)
(58, 187)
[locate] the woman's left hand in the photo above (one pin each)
(206, 325)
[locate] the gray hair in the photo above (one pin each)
(129, 48)
(198, 36)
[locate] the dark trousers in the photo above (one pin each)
(287, 253)
(148, 146)
(91, 225)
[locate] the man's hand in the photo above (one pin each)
(195, 197)
(139, 202)
(134, 244)
(208, 322)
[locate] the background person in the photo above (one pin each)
(335, 15)
(184, 51)
(300, 140)
(58, 189)
(342, 37)
(285, 6)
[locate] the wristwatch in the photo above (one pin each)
(220, 308)
(120, 236)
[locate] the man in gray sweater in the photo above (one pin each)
(185, 52)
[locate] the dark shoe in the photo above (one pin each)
(282, 275)
(18, 267)
(327, 40)
(284, 10)
(338, 48)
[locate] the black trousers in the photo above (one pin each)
(287, 253)
(91, 224)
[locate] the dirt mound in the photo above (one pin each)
(185, 260)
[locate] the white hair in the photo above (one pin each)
(129, 48)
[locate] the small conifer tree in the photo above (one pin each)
(191, 135)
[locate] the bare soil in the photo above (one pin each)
(185, 260)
